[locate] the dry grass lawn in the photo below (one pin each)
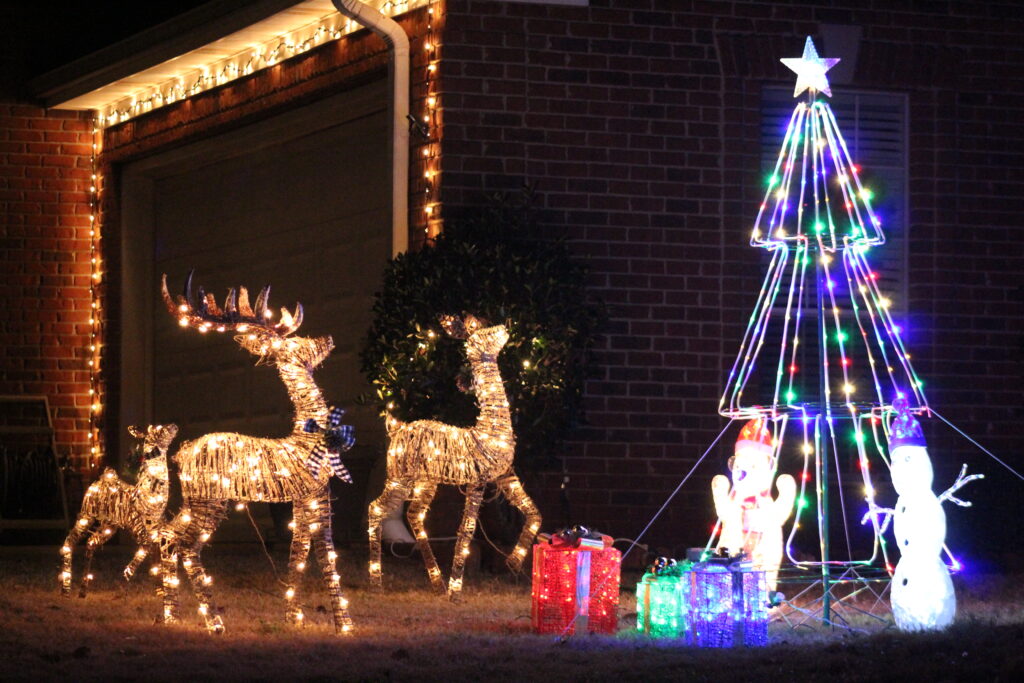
(408, 633)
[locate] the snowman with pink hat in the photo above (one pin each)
(922, 595)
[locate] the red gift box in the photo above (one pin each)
(575, 589)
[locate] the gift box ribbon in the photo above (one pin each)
(580, 537)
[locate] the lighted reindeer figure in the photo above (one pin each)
(110, 503)
(425, 453)
(222, 467)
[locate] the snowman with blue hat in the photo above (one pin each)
(922, 595)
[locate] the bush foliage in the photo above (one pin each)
(494, 263)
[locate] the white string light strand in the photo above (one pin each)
(95, 312)
(218, 72)
(429, 150)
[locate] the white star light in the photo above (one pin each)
(810, 70)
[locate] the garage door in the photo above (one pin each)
(300, 201)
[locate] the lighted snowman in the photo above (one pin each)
(751, 519)
(922, 592)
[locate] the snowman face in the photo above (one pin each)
(751, 472)
(911, 469)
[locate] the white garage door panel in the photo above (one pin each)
(301, 202)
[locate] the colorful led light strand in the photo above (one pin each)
(862, 364)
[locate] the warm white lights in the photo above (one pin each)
(222, 467)
(138, 508)
(95, 327)
(195, 79)
(426, 453)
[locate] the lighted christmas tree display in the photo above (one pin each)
(821, 354)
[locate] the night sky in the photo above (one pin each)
(38, 37)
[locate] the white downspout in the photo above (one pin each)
(398, 43)
(394, 529)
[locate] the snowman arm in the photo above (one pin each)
(961, 481)
(874, 510)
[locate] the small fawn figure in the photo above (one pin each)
(111, 503)
(426, 453)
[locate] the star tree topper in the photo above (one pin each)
(810, 70)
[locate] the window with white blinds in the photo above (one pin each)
(875, 128)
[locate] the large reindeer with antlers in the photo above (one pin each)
(425, 453)
(222, 467)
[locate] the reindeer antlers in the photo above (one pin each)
(202, 312)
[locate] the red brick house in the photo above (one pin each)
(643, 125)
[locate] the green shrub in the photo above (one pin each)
(493, 262)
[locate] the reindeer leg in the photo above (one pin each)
(153, 551)
(169, 537)
(298, 555)
(137, 559)
(97, 538)
(422, 495)
(474, 497)
(207, 516)
(393, 495)
(67, 552)
(512, 489)
(323, 546)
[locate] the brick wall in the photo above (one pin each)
(44, 249)
(44, 176)
(638, 123)
(639, 126)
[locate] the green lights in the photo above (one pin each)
(790, 396)
(841, 337)
(801, 502)
(819, 228)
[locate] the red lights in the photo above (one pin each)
(575, 588)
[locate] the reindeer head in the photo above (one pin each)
(256, 333)
(156, 439)
(482, 339)
(151, 452)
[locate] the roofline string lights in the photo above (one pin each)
(94, 349)
(219, 72)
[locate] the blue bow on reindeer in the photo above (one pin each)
(336, 438)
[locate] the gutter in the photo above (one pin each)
(398, 45)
